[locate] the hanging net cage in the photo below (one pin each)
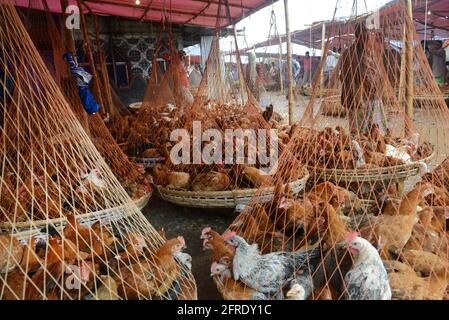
(356, 231)
(68, 228)
(201, 171)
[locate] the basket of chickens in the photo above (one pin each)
(333, 154)
(83, 196)
(287, 249)
(94, 261)
(225, 188)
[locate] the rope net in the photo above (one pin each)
(68, 228)
(221, 113)
(371, 222)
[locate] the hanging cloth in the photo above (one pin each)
(83, 79)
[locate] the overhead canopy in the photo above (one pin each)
(189, 12)
(437, 25)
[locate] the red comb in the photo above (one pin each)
(181, 239)
(228, 235)
(206, 230)
(351, 236)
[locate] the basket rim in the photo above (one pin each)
(373, 171)
(38, 223)
(227, 193)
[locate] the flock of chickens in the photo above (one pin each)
(335, 148)
(93, 262)
(322, 246)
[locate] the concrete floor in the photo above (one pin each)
(189, 222)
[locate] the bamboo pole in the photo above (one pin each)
(323, 56)
(289, 63)
(68, 35)
(280, 64)
(409, 90)
(90, 58)
(103, 68)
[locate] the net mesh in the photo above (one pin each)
(366, 226)
(69, 229)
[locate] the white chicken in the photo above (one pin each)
(367, 279)
(93, 178)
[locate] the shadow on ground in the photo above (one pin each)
(189, 222)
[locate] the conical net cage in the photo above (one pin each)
(44, 31)
(226, 143)
(371, 222)
(68, 228)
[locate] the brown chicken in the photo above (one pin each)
(160, 173)
(11, 252)
(215, 242)
(426, 263)
(393, 230)
(212, 181)
(178, 180)
(147, 279)
(254, 176)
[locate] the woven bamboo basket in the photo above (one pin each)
(224, 199)
(30, 228)
(148, 163)
(354, 178)
(391, 173)
(331, 106)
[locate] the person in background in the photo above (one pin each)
(307, 61)
(362, 88)
(438, 55)
(251, 74)
(330, 65)
(296, 69)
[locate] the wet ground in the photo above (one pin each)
(189, 222)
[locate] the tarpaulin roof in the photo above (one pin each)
(437, 25)
(194, 12)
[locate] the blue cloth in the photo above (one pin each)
(83, 79)
(296, 68)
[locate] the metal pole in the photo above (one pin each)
(323, 56)
(289, 63)
(409, 90)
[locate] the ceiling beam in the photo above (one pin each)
(146, 10)
(233, 5)
(128, 5)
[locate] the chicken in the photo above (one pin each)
(146, 279)
(294, 214)
(404, 283)
(394, 229)
(233, 290)
(107, 290)
(367, 279)
(91, 181)
(30, 260)
(215, 242)
(160, 173)
(334, 227)
(426, 263)
(301, 287)
(212, 181)
(254, 176)
(329, 275)
(330, 193)
(151, 153)
(265, 273)
(178, 180)
(77, 233)
(135, 248)
(11, 252)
